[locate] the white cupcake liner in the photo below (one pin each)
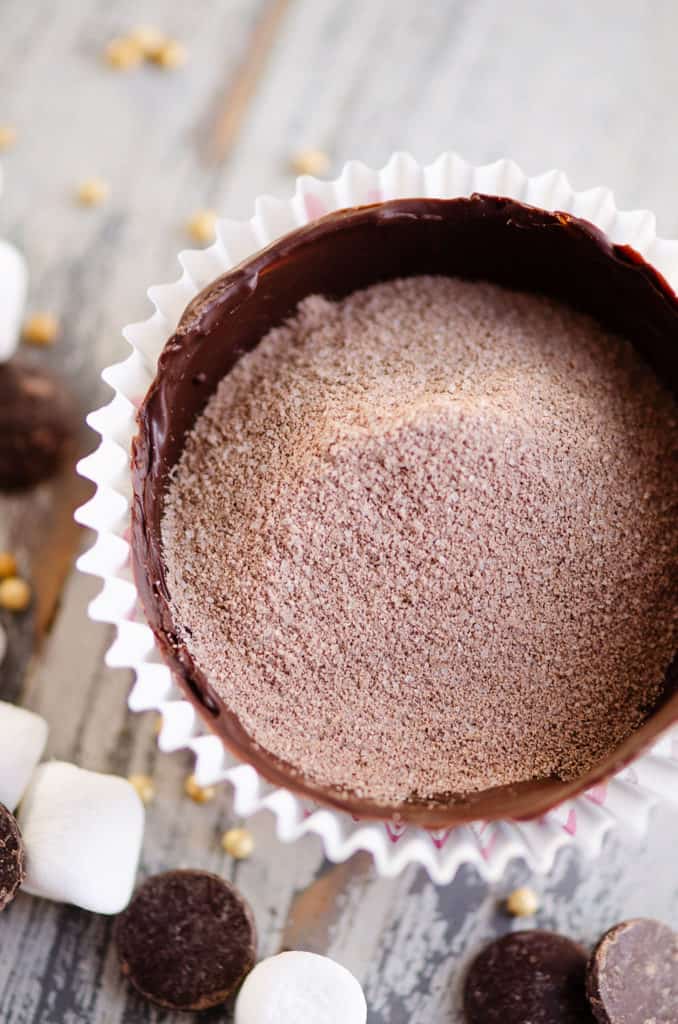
(626, 800)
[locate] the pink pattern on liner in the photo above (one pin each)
(135, 614)
(395, 830)
(598, 794)
(571, 823)
(440, 837)
(486, 850)
(314, 206)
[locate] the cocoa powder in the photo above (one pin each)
(424, 540)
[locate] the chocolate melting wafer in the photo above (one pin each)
(187, 940)
(12, 870)
(632, 975)
(534, 976)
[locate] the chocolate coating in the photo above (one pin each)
(36, 426)
(187, 940)
(12, 871)
(487, 237)
(531, 976)
(632, 976)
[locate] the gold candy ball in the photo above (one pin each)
(93, 191)
(522, 902)
(199, 794)
(169, 55)
(123, 53)
(148, 38)
(7, 137)
(238, 843)
(144, 786)
(41, 329)
(7, 565)
(201, 225)
(310, 161)
(15, 594)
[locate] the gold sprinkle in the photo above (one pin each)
(311, 161)
(170, 55)
(41, 329)
(144, 786)
(123, 53)
(15, 594)
(148, 38)
(238, 843)
(93, 191)
(7, 565)
(201, 225)
(522, 902)
(199, 794)
(159, 722)
(7, 137)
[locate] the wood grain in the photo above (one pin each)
(231, 107)
(590, 88)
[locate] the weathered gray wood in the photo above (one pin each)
(587, 87)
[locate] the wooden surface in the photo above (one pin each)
(590, 88)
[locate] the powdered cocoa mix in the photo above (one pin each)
(424, 540)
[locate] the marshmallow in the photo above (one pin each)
(300, 987)
(82, 832)
(13, 284)
(23, 736)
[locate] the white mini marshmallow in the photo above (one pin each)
(300, 986)
(23, 736)
(82, 832)
(13, 284)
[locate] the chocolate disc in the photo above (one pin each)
(530, 977)
(36, 425)
(11, 857)
(187, 940)
(632, 976)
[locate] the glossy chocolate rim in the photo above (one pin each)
(486, 237)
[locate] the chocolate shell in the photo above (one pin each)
(487, 237)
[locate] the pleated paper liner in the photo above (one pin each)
(625, 801)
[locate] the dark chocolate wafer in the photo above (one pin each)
(187, 940)
(632, 976)
(528, 977)
(11, 857)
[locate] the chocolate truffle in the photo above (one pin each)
(36, 425)
(187, 940)
(12, 871)
(533, 976)
(632, 976)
